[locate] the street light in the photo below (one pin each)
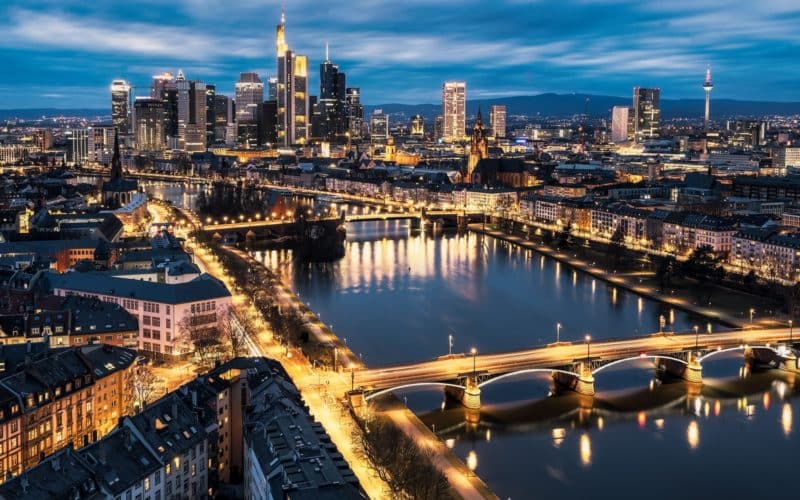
(790, 333)
(696, 337)
(474, 354)
(558, 332)
(752, 312)
(450, 344)
(588, 339)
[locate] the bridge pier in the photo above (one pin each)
(790, 363)
(472, 394)
(585, 381)
(694, 370)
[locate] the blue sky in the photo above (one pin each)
(64, 53)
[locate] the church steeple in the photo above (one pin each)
(478, 147)
(116, 163)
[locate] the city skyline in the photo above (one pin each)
(66, 56)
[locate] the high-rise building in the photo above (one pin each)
(101, 144)
(272, 88)
(269, 122)
(454, 110)
(355, 112)
(292, 92)
(149, 125)
(620, 124)
(191, 115)
(223, 116)
(121, 106)
(332, 101)
(160, 83)
(249, 96)
(211, 92)
(77, 146)
(646, 113)
(379, 126)
(497, 120)
(438, 127)
(417, 126)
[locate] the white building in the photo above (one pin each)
(454, 111)
(162, 309)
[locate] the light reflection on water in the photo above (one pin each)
(398, 294)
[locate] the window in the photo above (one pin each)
(146, 484)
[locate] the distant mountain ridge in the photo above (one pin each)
(549, 104)
(600, 106)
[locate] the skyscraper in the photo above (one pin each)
(497, 120)
(355, 112)
(620, 124)
(191, 115)
(121, 106)
(149, 126)
(708, 86)
(332, 85)
(292, 91)
(223, 116)
(249, 96)
(272, 88)
(379, 126)
(211, 93)
(160, 83)
(646, 113)
(454, 110)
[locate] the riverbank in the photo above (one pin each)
(717, 314)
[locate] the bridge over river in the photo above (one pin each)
(576, 365)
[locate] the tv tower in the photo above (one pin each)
(708, 86)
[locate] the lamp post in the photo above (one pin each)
(474, 355)
(558, 332)
(696, 337)
(790, 333)
(450, 344)
(588, 339)
(752, 312)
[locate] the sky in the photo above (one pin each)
(65, 53)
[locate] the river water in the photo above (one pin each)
(397, 295)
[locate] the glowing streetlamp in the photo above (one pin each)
(790, 332)
(558, 332)
(752, 312)
(696, 337)
(450, 344)
(474, 355)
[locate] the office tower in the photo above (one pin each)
(620, 124)
(293, 106)
(379, 126)
(191, 115)
(269, 122)
(497, 120)
(438, 127)
(355, 112)
(121, 106)
(332, 100)
(249, 96)
(223, 115)
(211, 92)
(646, 113)
(316, 117)
(417, 126)
(101, 143)
(149, 124)
(77, 146)
(160, 83)
(454, 110)
(43, 138)
(170, 100)
(272, 89)
(707, 87)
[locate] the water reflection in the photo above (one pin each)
(693, 435)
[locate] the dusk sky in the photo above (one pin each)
(64, 53)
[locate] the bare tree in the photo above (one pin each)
(144, 385)
(233, 331)
(203, 339)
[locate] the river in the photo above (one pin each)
(397, 295)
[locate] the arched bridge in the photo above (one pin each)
(679, 353)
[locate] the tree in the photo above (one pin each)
(203, 340)
(400, 463)
(233, 331)
(618, 243)
(144, 385)
(564, 237)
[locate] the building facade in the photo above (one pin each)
(454, 111)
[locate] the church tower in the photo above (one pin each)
(478, 147)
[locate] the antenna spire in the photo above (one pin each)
(327, 51)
